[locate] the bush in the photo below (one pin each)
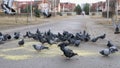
(59, 13)
(37, 13)
(69, 14)
(93, 14)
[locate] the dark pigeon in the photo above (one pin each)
(7, 37)
(94, 39)
(1, 34)
(68, 52)
(63, 44)
(117, 30)
(28, 34)
(102, 36)
(77, 43)
(38, 31)
(16, 35)
(21, 42)
(109, 44)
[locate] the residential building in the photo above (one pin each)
(98, 6)
(20, 5)
(67, 7)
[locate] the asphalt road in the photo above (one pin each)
(12, 56)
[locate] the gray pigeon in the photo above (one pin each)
(105, 52)
(39, 47)
(113, 49)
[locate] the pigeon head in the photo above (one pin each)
(9, 36)
(108, 42)
(1, 34)
(75, 54)
(34, 45)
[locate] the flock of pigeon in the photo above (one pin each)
(62, 39)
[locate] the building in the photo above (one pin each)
(113, 5)
(19, 6)
(98, 7)
(67, 7)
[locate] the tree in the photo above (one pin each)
(27, 9)
(112, 5)
(78, 9)
(37, 12)
(86, 8)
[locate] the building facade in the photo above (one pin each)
(19, 6)
(67, 7)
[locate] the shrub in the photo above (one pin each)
(37, 12)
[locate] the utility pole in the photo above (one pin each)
(108, 9)
(55, 7)
(116, 9)
(31, 9)
(97, 8)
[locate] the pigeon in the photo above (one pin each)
(21, 42)
(113, 49)
(38, 32)
(28, 34)
(87, 38)
(1, 34)
(116, 30)
(63, 44)
(50, 40)
(68, 52)
(16, 35)
(7, 37)
(94, 39)
(39, 47)
(77, 43)
(71, 40)
(1, 38)
(102, 36)
(109, 44)
(105, 52)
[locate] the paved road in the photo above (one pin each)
(12, 56)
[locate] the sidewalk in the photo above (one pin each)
(13, 21)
